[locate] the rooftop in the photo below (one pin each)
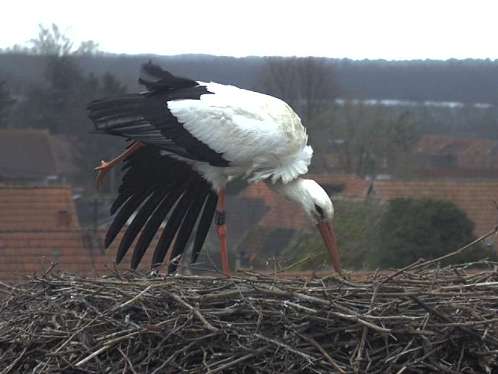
(49, 155)
(463, 153)
(39, 226)
(17, 163)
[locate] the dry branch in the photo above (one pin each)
(420, 321)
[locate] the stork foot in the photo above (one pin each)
(102, 171)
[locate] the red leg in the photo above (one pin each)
(221, 230)
(105, 167)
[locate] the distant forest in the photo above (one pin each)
(466, 81)
(48, 85)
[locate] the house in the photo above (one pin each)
(29, 156)
(439, 156)
(39, 227)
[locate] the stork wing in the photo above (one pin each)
(145, 117)
(158, 189)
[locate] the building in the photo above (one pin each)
(34, 157)
(439, 156)
(39, 228)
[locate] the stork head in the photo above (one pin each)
(320, 210)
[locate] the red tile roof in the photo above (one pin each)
(468, 152)
(282, 213)
(474, 197)
(39, 225)
(347, 186)
(23, 252)
(37, 209)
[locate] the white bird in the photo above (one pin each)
(189, 139)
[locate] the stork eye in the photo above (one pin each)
(319, 210)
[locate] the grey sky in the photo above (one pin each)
(389, 29)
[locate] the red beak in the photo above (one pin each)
(329, 239)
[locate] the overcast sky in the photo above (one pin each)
(388, 29)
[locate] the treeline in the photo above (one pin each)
(49, 84)
(467, 81)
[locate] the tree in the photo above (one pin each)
(366, 139)
(411, 229)
(373, 236)
(59, 103)
(88, 47)
(6, 102)
(307, 84)
(50, 41)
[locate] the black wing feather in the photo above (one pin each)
(153, 225)
(204, 224)
(187, 228)
(119, 202)
(138, 222)
(146, 117)
(164, 80)
(174, 223)
(152, 176)
(153, 185)
(123, 215)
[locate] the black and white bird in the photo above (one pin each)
(188, 139)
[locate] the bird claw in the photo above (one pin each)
(102, 170)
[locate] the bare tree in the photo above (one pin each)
(307, 84)
(368, 139)
(50, 41)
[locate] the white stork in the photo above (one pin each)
(188, 140)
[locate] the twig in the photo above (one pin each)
(195, 311)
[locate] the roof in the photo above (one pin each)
(468, 152)
(344, 186)
(66, 153)
(26, 154)
(39, 225)
(24, 252)
(281, 212)
(37, 209)
(474, 197)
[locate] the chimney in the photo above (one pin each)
(63, 219)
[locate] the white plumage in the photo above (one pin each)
(190, 139)
(260, 135)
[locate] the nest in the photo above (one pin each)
(416, 320)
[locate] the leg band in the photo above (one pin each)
(220, 218)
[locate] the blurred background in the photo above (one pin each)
(399, 98)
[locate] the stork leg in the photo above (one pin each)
(221, 230)
(105, 167)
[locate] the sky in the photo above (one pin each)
(357, 29)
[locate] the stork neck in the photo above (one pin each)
(294, 190)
